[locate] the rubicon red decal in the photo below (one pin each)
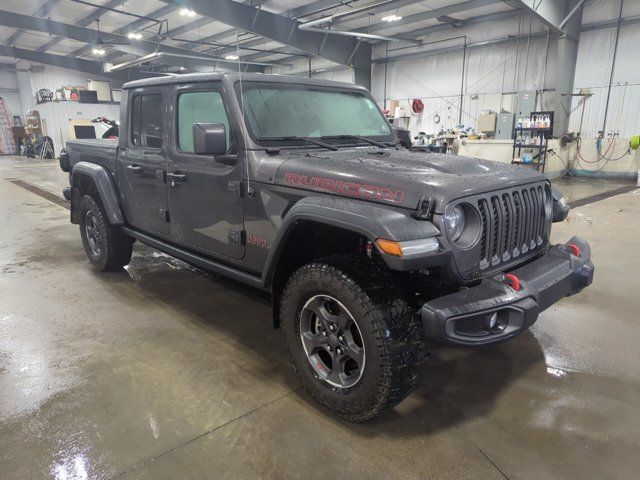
(372, 192)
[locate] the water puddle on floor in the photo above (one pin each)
(580, 219)
(146, 262)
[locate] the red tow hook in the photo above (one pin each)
(574, 249)
(515, 281)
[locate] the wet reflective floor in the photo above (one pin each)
(162, 372)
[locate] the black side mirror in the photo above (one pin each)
(209, 138)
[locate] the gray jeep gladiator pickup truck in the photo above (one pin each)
(371, 253)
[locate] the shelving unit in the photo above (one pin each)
(33, 125)
(539, 159)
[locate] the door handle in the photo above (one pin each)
(134, 169)
(175, 178)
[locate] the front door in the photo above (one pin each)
(142, 164)
(205, 202)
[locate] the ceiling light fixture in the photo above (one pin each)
(137, 61)
(99, 51)
(207, 58)
(134, 36)
(391, 18)
(232, 57)
(186, 12)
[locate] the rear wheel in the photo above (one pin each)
(107, 247)
(353, 341)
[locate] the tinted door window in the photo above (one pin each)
(147, 121)
(135, 120)
(198, 107)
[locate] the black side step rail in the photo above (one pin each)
(198, 260)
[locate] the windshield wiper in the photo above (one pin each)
(354, 137)
(306, 139)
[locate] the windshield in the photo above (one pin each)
(276, 111)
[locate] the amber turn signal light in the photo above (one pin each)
(389, 247)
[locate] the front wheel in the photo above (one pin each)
(107, 247)
(354, 343)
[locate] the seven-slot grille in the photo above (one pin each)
(513, 223)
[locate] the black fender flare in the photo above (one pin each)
(105, 187)
(371, 220)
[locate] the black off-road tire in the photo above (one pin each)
(114, 246)
(391, 331)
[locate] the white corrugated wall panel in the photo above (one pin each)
(9, 91)
(56, 115)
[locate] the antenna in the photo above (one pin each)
(244, 136)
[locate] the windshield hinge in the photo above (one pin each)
(425, 208)
(235, 186)
(237, 236)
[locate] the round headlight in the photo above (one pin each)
(455, 221)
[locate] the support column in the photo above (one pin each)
(565, 58)
(361, 63)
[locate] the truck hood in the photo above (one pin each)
(398, 177)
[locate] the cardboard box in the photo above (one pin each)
(393, 104)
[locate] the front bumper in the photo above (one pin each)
(496, 310)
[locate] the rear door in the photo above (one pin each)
(205, 200)
(142, 166)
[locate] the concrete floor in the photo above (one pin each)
(161, 372)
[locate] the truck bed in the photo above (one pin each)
(102, 151)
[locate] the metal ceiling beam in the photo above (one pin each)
(158, 14)
(256, 56)
(437, 28)
(431, 29)
(430, 14)
(549, 12)
(392, 6)
(299, 12)
(342, 50)
(217, 37)
(314, 7)
(489, 17)
(589, 27)
(131, 27)
(83, 34)
(256, 43)
(83, 23)
(74, 32)
(310, 8)
(41, 12)
(460, 48)
(435, 13)
(175, 32)
(187, 27)
(85, 66)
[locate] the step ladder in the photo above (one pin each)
(7, 140)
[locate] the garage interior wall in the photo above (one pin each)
(595, 60)
(492, 73)
(10, 90)
(56, 115)
(502, 57)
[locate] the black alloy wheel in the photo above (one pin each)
(332, 341)
(92, 232)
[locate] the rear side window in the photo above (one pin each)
(135, 120)
(147, 121)
(198, 107)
